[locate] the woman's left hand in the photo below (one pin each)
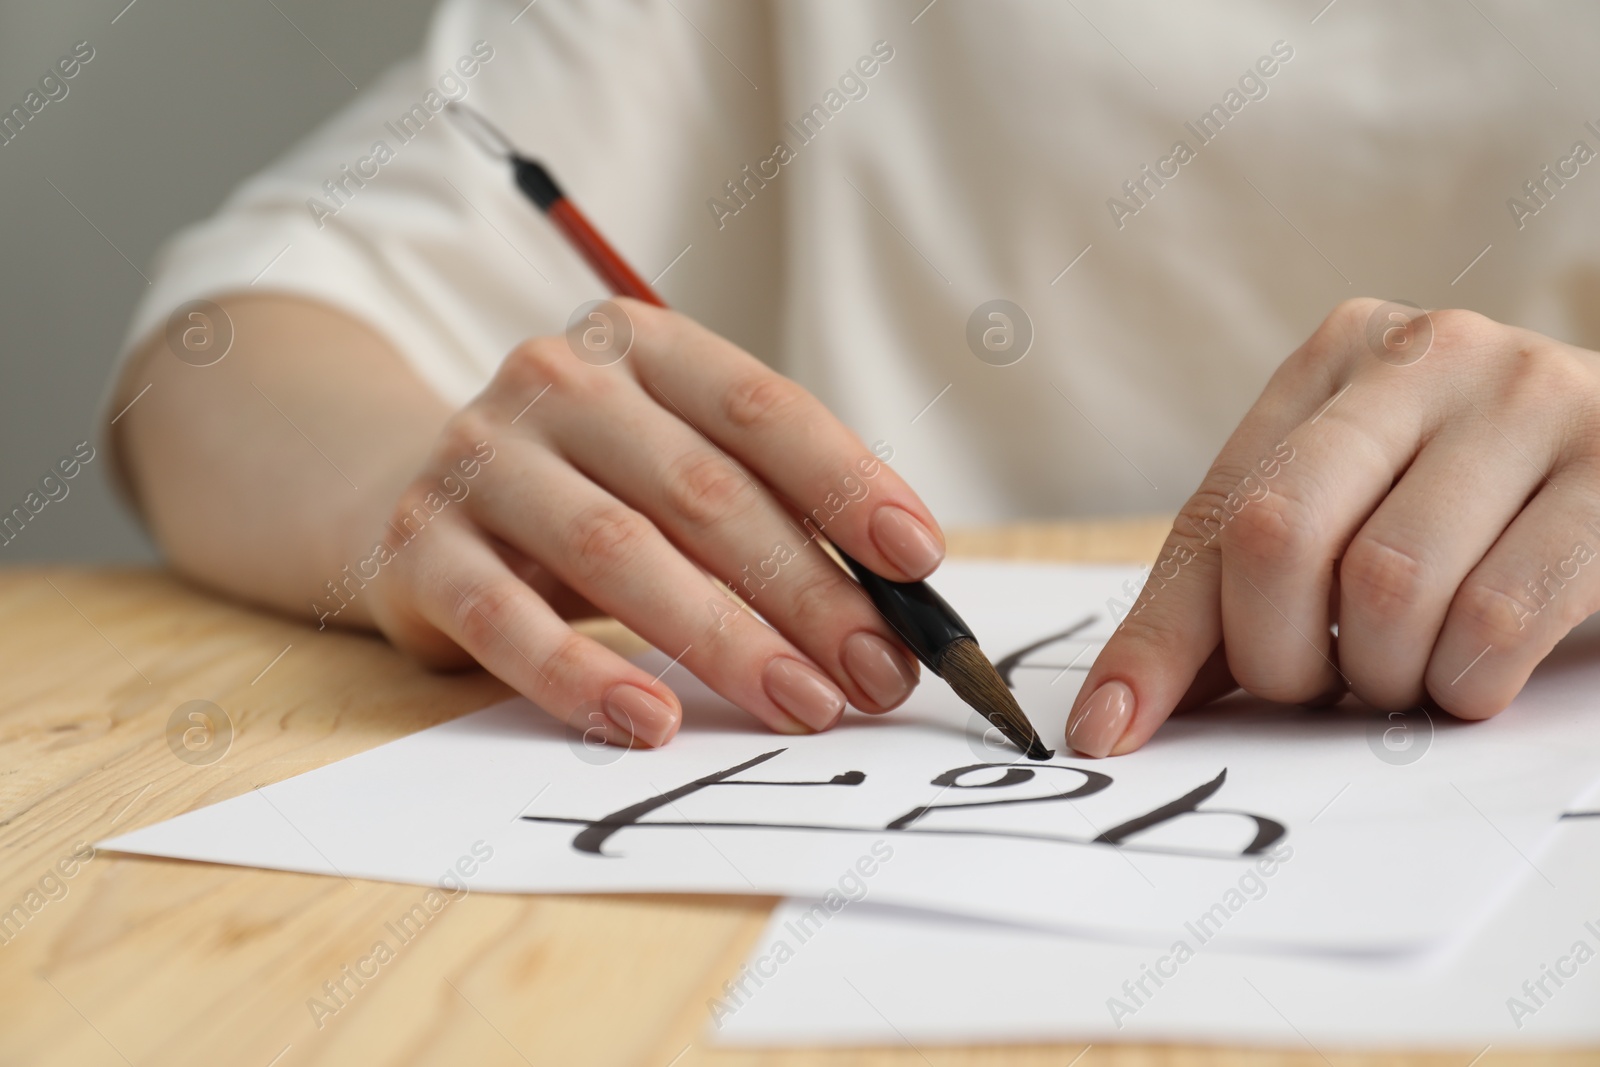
(1428, 481)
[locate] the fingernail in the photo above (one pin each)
(642, 715)
(803, 693)
(1101, 722)
(905, 541)
(878, 668)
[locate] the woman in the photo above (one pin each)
(1040, 257)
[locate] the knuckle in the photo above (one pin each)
(544, 361)
(1333, 351)
(1204, 516)
(532, 361)
(1319, 360)
(1491, 615)
(484, 612)
(605, 538)
(1273, 532)
(705, 488)
(1384, 581)
(1344, 327)
(463, 434)
(816, 596)
(762, 399)
(567, 664)
(726, 632)
(1350, 316)
(1458, 331)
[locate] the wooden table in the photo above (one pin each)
(141, 961)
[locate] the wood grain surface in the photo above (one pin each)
(145, 962)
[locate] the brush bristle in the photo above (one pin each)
(969, 672)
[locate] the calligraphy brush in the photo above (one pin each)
(925, 622)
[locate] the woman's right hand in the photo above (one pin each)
(623, 484)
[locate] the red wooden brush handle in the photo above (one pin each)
(618, 276)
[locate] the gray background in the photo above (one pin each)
(181, 101)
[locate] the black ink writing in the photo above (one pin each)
(1093, 782)
(1268, 831)
(593, 834)
(1009, 665)
(593, 837)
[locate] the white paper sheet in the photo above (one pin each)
(1385, 852)
(872, 975)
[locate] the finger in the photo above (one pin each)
(1401, 571)
(720, 516)
(1175, 626)
(1152, 659)
(619, 561)
(1279, 553)
(466, 591)
(1539, 580)
(790, 441)
(1279, 558)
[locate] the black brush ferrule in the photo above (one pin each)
(922, 618)
(534, 180)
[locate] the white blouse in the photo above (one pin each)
(1168, 197)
